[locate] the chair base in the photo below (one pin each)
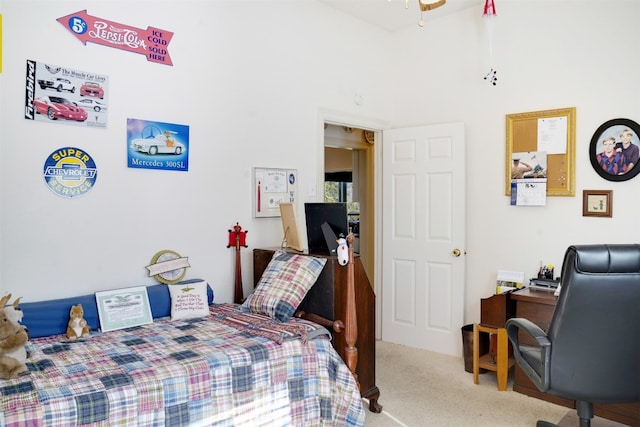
(583, 423)
(585, 412)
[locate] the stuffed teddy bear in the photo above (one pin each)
(77, 326)
(14, 314)
(13, 338)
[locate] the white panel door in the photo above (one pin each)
(423, 237)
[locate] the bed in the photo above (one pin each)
(233, 366)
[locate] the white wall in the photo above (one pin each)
(250, 78)
(549, 55)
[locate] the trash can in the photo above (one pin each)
(467, 347)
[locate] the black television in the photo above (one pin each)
(337, 222)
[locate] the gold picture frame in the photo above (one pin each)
(597, 203)
(551, 131)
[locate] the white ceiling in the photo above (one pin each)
(392, 15)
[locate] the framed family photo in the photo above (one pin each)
(615, 150)
(597, 203)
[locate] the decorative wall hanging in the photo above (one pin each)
(157, 145)
(272, 186)
(614, 150)
(168, 267)
(70, 172)
(529, 179)
(489, 15)
(65, 95)
(369, 136)
(92, 29)
(549, 131)
(597, 203)
(238, 239)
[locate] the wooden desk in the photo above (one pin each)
(327, 298)
(538, 306)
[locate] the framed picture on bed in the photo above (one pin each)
(123, 308)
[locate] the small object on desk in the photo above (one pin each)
(509, 281)
(557, 291)
(550, 284)
(546, 271)
(504, 287)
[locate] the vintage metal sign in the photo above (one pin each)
(70, 172)
(152, 42)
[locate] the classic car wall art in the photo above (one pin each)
(55, 107)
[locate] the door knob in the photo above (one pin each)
(456, 252)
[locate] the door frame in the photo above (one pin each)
(341, 118)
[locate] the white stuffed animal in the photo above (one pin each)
(342, 251)
(14, 315)
(14, 312)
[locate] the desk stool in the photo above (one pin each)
(500, 362)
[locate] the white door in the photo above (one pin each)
(423, 237)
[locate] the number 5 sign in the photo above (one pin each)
(152, 42)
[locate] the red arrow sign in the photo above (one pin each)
(151, 42)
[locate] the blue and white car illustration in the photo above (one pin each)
(154, 141)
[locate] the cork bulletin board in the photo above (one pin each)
(551, 131)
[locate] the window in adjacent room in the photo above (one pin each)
(338, 187)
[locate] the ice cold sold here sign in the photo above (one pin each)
(152, 42)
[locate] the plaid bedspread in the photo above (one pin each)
(200, 372)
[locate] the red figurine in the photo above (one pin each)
(238, 238)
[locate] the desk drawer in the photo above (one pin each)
(540, 314)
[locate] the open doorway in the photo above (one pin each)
(349, 178)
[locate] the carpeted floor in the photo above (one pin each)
(420, 388)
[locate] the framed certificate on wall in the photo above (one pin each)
(271, 186)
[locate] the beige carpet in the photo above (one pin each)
(420, 388)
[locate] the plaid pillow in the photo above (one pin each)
(284, 284)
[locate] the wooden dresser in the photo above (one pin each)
(327, 298)
(538, 306)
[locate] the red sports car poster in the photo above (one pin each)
(64, 95)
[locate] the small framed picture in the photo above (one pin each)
(615, 150)
(597, 203)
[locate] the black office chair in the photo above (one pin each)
(591, 351)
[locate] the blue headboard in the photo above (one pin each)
(46, 318)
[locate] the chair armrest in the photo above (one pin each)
(534, 360)
(513, 325)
